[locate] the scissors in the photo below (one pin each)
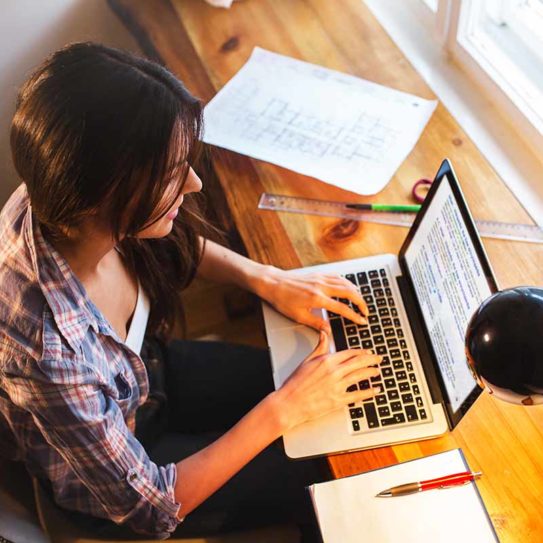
(420, 189)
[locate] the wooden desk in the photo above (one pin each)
(205, 47)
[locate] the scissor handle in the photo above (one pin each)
(420, 189)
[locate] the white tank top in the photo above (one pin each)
(138, 325)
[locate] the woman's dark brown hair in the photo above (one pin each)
(96, 128)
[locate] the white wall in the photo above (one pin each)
(29, 31)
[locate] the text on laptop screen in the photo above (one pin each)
(450, 284)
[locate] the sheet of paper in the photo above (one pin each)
(348, 510)
(335, 127)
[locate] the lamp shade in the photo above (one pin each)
(504, 345)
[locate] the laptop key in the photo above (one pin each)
(387, 321)
(362, 278)
(390, 382)
(373, 274)
(407, 398)
(401, 375)
(337, 332)
(404, 386)
(378, 340)
(403, 344)
(396, 406)
(351, 329)
(388, 292)
(385, 361)
(364, 385)
(389, 332)
(384, 312)
(371, 309)
(386, 372)
(350, 277)
(382, 272)
(373, 319)
(393, 394)
(356, 426)
(398, 364)
(409, 366)
(412, 378)
(367, 344)
(389, 421)
(368, 298)
(381, 349)
(394, 312)
(375, 329)
(364, 333)
(416, 389)
(419, 401)
(354, 341)
(371, 415)
(406, 355)
(392, 342)
(381, 399)
(385, 282)
(411, 412)
(381, 302)
(391, 302)
(384, 411)
(422, 414)
(375, 283)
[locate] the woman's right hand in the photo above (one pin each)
(319, 384)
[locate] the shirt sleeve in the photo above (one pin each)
(87, 429)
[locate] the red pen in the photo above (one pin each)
(447, 481)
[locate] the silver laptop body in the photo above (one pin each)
(428, 356)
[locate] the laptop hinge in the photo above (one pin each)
(422, 341)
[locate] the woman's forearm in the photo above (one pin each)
(222, 265)
(201, 474)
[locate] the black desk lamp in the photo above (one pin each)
(504, 345)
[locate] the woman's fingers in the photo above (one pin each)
(318, 323)
(344, 310)
(343, 288)
(361, 395)
(323, 346)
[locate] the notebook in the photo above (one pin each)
(348, 511)
(420, 303)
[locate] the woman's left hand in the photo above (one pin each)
(296, 295)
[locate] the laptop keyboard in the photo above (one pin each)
(401, 401)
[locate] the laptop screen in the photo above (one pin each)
(450, 278)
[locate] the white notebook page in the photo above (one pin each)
(349, 512)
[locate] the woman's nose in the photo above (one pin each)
(193, 182)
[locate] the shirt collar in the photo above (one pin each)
(70, 305)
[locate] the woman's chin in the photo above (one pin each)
(159, 230)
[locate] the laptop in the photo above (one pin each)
(419, 303)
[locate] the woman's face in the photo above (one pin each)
(164, 225)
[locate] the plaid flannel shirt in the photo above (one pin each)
(69, 387)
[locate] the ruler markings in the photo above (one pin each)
(293, 204)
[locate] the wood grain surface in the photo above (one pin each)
(205, 47)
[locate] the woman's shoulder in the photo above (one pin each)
(21, 299)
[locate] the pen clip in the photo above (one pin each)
(452, 485)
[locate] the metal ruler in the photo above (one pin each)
(324, 208)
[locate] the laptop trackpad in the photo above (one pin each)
(290, 347)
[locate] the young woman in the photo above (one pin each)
(96, 246)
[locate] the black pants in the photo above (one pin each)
(209, 387)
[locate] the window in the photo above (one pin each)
(500, 43)
(483, 59)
